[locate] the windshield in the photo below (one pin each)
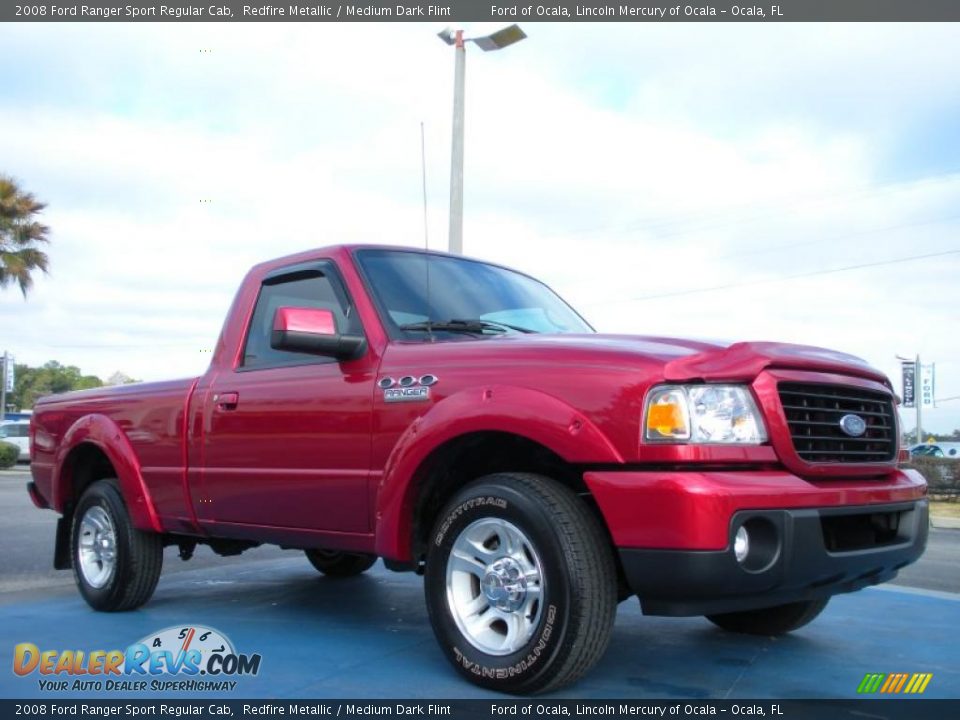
(484, 299)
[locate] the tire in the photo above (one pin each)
(529, 551)
(340, 564)
(116, 566)
(777, 620)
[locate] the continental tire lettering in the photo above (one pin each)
(541, 645)
(467, 665)
(519, 667)
(464, 507)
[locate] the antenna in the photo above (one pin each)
(426, 236)
(423, 166)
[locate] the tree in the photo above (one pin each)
(20, 235)
(33, 383)
(120, 378)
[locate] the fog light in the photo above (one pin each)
(741, 544)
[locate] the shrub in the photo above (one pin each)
(8, 454)
(942, 474)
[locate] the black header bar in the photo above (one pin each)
(916, 708)
(455, 11)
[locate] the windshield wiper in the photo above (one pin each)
(471, 327)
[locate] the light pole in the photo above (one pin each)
(496, 41)
(3, 388)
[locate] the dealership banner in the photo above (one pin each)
(8, 372)
(909, 377)
(478, 11)
(927, 383)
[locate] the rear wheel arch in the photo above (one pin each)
(84, 465)
(95, 448)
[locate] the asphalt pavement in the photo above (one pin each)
(28, 562)
(369, 637)
(27, 566)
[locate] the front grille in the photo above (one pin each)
(813, 414)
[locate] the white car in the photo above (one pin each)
(17, 432)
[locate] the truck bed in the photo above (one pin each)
(150, 416)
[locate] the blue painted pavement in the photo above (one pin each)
(369, 637)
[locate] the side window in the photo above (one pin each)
(314, 288)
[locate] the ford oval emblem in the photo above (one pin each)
(853, 425)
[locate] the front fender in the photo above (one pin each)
(106, 435)
(530, 414)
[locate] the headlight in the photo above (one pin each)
(703, 414)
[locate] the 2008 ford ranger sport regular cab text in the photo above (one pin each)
(458, 419)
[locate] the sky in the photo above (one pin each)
(794, 182)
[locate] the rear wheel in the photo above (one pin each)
(115, 565)
(521, 584)
(340, 564)
(776, 620)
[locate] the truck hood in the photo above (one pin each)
(745, 360)
(687, 360)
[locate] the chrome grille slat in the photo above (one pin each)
(813, 422)
(830, 397)
(849, 439)
(858, 412)
(813, 413)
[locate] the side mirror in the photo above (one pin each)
(313, 331)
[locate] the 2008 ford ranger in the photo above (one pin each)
(458, 419)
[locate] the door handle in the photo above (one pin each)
(227, 400)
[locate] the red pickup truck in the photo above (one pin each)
(459, 420)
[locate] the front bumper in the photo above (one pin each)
(674, 532)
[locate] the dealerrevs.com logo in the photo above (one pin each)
(178, 659)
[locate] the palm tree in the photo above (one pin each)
(20, 234)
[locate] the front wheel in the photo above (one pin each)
(777, 620)
(115, 565)
(340, 564)
(521, 584)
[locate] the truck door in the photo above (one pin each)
(286, 438)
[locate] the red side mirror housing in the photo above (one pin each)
(313, 331)
(307, 320)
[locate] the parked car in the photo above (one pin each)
(459, 420)
(17, 432)
(949, 450)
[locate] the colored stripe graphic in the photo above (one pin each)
(891, 681)
(914, 682)
(894, 683)
(871, 682)
(899, 686)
